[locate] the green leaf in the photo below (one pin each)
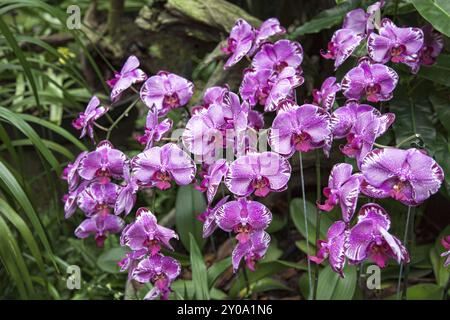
(325, 20)
(405, 115)
(268, 284)
(423, 291)
(109, 259)
(16, 191)
(437, 72)
(436, 12)
(9, 37)
(199, 273)
(332, 287)
(442, 108)
(29, 132)
(185, 289)
(297, 215)
(189, 204)
(217, 269)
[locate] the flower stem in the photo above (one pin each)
(408, 229)
(302, 180)
(410, 138)
(380, 145)
(247, 283)
(100, 127)
(124, 114)
(318, 216)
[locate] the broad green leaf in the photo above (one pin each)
(266, 284)
(437, 72)
(297, 215)
(185, 289)
(199, 273)
(109, 259)
(189, 204)
(332, 287)
(324, 20)
(442, 108)
(408, 112)
(436, 12)
(422, 291)
(217, 269)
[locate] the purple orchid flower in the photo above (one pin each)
(211, 129)
(270, 27)
(333, 248)
(86, 119)
(446, 243)
(370, 239)
(409, 176)
(276, 56)
(239, 42)
(243, 217)
(213, 95)
(129, 75)
(158, 166)
(343, 188)
(252, 250)
(70, 173)
(100, 225)
(394, 43)
(70, 199)
(212, 179)
(102, 163)
(255, 120)
(326, 96)
(260, 173)
(299, 129)
(208, 217)
(166, 91)
(244, 40)
(283, 88)
(160, 271)
(154, 130)
(126, 197)
(98, 198)
(255, 86)
(362, 136)
(432, 46)
(375, 82)
(145, 234)
(345, 118)
(363, 22)
(342, 44)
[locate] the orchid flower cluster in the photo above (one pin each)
(104, 183)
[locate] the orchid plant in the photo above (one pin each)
(104, 183)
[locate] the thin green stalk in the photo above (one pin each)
(247, 282)
(318, 216)
(124, 114)
(302, 181)
(409, 248)
(410, 138)
(405, 239)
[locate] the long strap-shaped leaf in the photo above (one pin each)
(16, 191)
(29, 132)
(9, 37)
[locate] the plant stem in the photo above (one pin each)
(411, 137)
(318, 216)
(115, 11)
(405, 239)
(409, 248)
(100, 127)
(124, 114)
(247, 283)
(445, 293)
(302, 180)
(380, 145)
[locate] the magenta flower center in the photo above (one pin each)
(163, 179)
(243, 232)
(171, 100)
(261, 186)
(396, 53)
(280, 66)
(302, 141)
